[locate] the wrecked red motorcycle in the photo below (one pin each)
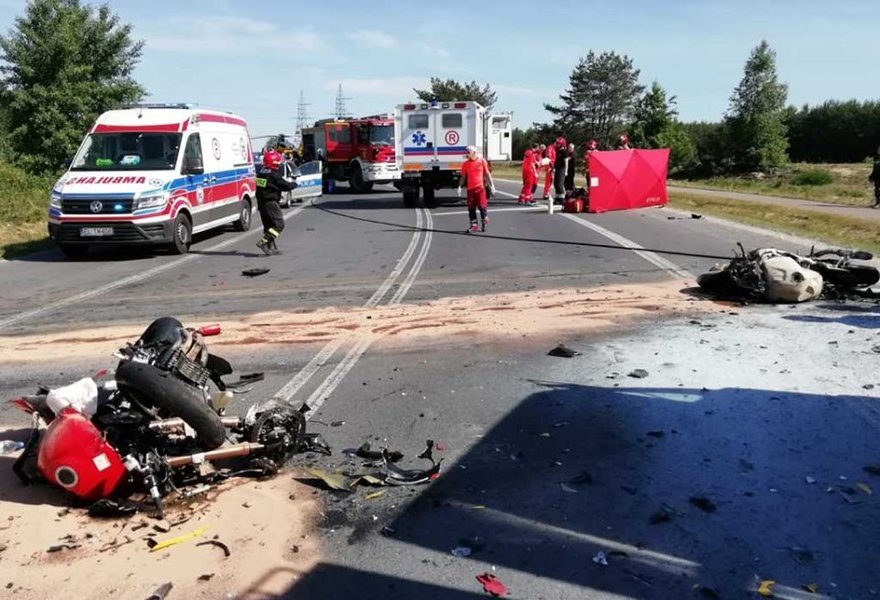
(156, 427)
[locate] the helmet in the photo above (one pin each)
(271, 159)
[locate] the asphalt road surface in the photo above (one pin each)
(737, 457)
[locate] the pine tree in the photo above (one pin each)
(61, 66)
(450, 89)
(600, 98)
(757, 113)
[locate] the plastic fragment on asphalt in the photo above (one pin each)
(254, 272)
(177, 540)
(218, 544)
(375, 495)
(492, 585)
(813, 588)
(638, 374)
(810, 480)
(335, 481)
(161, 591)
(601, 559)
(562, 351)
(567, 488)
(461, 551)
(865, 488)
(766, 588)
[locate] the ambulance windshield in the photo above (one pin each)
(128, 151)
(382, 134)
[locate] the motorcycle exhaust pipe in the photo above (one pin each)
(177, 424)
(235, 451)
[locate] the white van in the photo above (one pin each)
(154, 174)
(431, 141)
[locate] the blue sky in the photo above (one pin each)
(228, 55)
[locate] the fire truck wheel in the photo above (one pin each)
(358, 185)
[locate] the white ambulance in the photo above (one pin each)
(154, 174)
(431, 139)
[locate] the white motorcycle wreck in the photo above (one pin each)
(776, 276)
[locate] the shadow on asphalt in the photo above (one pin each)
(862, 321)
(678, 487)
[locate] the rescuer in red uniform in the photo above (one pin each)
(529, 177)
(474, 174)
(548, 170)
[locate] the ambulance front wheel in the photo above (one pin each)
(182, 232)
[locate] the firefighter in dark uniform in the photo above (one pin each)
(269, 187)
(874, 178)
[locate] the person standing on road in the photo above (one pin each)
(874, 178)
(474, 174)
(529, 177)
(570, 169)
(269, 187)
(591, 146)
(549, 166)
(560, 166)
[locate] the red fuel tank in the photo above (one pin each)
(74, 456)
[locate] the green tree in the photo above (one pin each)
(757, 112)
(600, 99)
(450, 89)
(653, 114)
(62, 65)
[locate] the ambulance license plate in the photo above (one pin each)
(95, 231)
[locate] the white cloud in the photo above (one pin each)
(223, 36)
(400, 87)
(371, 37)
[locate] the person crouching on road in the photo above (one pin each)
(529, 177)
(269, 187)
(874, 178)
(474, 174)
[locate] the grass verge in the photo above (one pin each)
(833, 229)
(24, 199)
(838, 183)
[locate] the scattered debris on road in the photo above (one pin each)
(638, 374)
(492, 585)
(563, 351)
(255, 272)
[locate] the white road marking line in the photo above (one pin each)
(329, 384)
(495, 210)
(417, 265)
(131, 279)
(649, 256)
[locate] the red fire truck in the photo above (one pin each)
(360, 151)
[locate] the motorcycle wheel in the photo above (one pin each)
(852, 276)
(154, 387)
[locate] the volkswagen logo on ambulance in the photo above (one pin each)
(96, 206)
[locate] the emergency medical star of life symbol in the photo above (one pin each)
(419, 138)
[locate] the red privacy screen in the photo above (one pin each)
(622, 179)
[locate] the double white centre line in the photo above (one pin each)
(422, 235)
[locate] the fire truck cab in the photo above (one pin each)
(360, 151)
(431, 139)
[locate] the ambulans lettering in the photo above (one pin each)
(110, 180)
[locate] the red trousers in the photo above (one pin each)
(476, 198)
(529, 182)
(548, 180)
